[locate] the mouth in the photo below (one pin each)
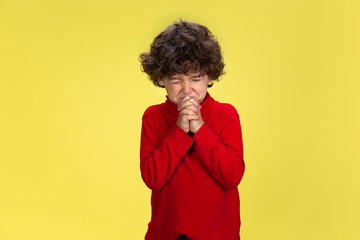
(192, 95)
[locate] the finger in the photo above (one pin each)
(195, 103)
(187, 102)
(191, 117)
(184, 104)
(188, 112)
(184, 99)
(193, 100)
(193, 108)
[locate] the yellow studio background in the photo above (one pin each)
(72, 96)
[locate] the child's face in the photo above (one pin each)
(179, 86)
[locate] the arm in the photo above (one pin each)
(160, 157)
(222, 155)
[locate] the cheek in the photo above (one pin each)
(202, 89)
(172, 90)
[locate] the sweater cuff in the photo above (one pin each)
(205, 139)
(180, 140)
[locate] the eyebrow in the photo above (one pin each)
(197, 75)
(191, 75)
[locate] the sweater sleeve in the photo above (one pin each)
(222, 155)
(160, 157)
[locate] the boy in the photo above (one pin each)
(191, 153)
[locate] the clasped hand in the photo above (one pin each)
(189, 119)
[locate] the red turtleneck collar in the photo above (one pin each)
(205, 105)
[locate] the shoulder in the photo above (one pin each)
(225, 109)
(153, 110)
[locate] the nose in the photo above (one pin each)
(187, 87)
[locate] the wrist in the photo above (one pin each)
(196, 128)
(182, 127)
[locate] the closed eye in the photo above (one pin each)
(174, 81)
(197, 77)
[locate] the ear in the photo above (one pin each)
(161, 82)
(210, 82)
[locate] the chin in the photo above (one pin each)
(201, 99)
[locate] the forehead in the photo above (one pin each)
(189, 74)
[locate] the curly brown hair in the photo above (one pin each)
(181, 48)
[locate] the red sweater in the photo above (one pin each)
(193, 179)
